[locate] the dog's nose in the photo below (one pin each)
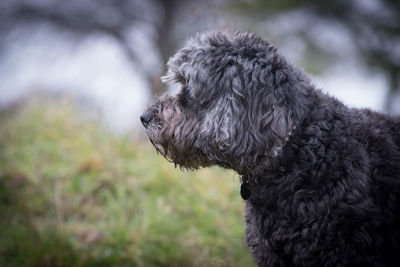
(146, 118)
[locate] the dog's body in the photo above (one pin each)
(321, 181)
(334, 199)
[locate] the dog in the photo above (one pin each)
(320, 181)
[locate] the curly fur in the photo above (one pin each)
(327, 196)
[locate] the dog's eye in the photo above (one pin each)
(180, 79)
(205, 104)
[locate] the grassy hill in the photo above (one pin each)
(74, 194)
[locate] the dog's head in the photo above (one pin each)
(236, 105)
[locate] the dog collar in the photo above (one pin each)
(295, 129)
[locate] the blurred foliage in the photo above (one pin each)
(74, 194)
(374, 27)
(113, 18)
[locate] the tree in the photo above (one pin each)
(373, 25)
(110, 17)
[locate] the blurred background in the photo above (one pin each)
(80, 184)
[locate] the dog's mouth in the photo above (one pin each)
(156, 142)
(154, 133)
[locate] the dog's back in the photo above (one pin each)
(383, 142)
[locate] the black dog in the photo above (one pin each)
(321, 181)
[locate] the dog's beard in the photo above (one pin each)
(177, 150)
(154, 134)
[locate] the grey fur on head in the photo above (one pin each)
(230, 110)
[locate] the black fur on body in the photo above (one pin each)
(327, 195)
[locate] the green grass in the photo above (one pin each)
(74, 194)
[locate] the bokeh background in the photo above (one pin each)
(80, 184)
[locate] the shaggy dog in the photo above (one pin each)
(321, 181)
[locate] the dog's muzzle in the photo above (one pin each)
(146, 118)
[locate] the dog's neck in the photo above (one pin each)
(245, 178)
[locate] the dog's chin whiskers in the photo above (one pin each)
(160, 149)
